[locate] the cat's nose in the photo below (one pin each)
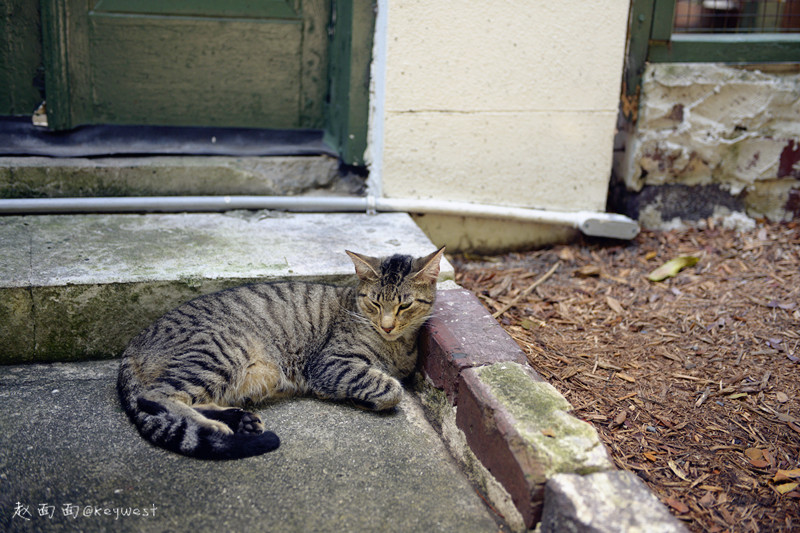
(387, 330)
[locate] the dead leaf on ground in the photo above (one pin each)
(678, 505)
(786, 487)
(675, 470)
(785, 475)
(754, 454)
(614, 304)
(650, 456)
(672, 267)
(707, 500)
(588, 271)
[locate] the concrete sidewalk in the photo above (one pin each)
(70, 460)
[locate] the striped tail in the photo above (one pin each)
(216, 434)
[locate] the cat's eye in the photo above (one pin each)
(404, 306)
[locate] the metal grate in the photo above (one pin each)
(737, 16)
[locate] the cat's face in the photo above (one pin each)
(396, 293)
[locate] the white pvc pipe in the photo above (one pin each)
(589, 222)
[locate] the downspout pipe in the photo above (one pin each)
(596, 224)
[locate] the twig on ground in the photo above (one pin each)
(527, 291)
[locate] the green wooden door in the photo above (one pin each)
(233, 63)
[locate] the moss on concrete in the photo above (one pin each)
(16, 322)
(81, 322)
(559, 441)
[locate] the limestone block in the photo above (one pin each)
(605, 502)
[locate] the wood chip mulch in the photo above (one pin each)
(691, 382)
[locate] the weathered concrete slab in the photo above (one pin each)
(76, 287)
(66, 446)
(605, 502)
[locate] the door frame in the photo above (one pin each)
(346, 110)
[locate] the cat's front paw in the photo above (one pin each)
(388, 398)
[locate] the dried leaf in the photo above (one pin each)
(759, 463)
(588, 271)
(754, 454)
(614, 304)
(650, 255)
(784, 475)
(781, 397)
(626, 377)
(679, 506)
(672, 267)
(566, 254)
(650, 456)
(708, 500)
(675, 470)
(786, 487)
(737, 395)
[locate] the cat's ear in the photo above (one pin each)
(427, 268)
(366, 267)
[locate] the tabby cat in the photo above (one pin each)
(184, 379)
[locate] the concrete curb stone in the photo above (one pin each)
(604, 502)
(461, 335)
(519, 427)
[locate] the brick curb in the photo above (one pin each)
(466, 354)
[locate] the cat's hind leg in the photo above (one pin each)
(353, 377)
(210, 432)
(238, 420)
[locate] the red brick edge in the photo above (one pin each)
(462, 335)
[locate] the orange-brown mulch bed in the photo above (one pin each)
(691, 382)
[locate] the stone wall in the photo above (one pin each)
(712, 140)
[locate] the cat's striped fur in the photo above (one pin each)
(184, 380)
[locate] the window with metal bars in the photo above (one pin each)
(710, 31)
(736, 16)
(719, 31)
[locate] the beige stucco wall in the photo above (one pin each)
(509, 103)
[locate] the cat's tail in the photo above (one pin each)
(204, 433)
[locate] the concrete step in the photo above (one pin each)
(165, 175)
(76, 287)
